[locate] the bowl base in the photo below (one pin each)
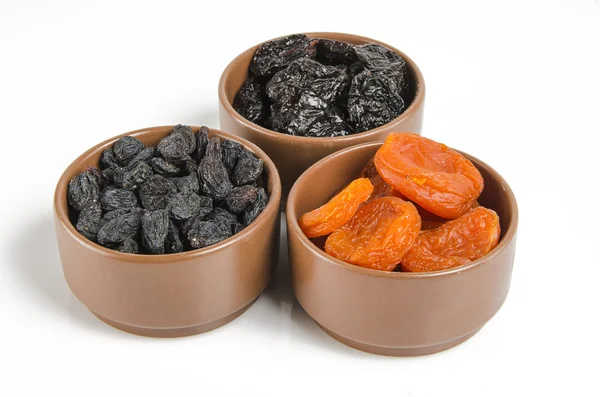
(175, 332)
(397, 351)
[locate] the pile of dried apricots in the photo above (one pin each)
(413, 206)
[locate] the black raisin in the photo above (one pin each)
(254, 210)
(275, 55)
(108, 159)
(155, 226)
(240, 198)
(108, 174)
(89, 221)
(187, 183)
(154, 192)
(238, 227)
(206, 233)
(84, 189)
(187, 133)
(334, 52)
(247, 169)
(132, 178)
(174, 147)
(213, 177)
(201, 142)
(249, 101)
(187, 204)
(114, 198)
(126, 148)
(110, 215)
(222, 215)
(144, 156)
(213, 149)
(120, 227)
(129, 246)
(164, 168)
(173, 242)
(230, 153)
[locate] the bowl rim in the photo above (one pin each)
(294, 227)
(415, 105)
(62, 214)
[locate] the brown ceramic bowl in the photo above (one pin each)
(294, 154)
(176, 294)
(394, 313)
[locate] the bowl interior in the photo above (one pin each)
(151, 137)
(327, 177)
(237, 72)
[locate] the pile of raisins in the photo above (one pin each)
(188, 192)
(324, 88)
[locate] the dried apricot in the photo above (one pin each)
(439, 179)
(336, 211)
(378, 235)
(380, 187)
(455, 243)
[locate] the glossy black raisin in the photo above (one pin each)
(187, 204)
(247, 170)
(254, 210)
(230, 153)
(213, 177)
(155, 226)
(132, 178)
(84, 189)
(241, 197)
(153, 193)
(164, 168)
(126, 148)
(89, 221)
(250, 100)
(113, 198)
(275, 55)
(129, 246)
(120, 227)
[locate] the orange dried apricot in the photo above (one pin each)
(455, 243)
(380, 187)
(337, 211)
(437, 178)
(378, 235)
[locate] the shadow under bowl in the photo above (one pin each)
(176, 294)
(396, 313)
(294, 154)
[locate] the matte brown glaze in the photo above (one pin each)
(294, 154)
(394, 313)
(176, 294)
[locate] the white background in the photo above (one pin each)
(515, 83)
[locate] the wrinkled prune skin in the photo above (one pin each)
(187, 183)
(113, 199)
(247, 169)
(119, 228)
(173, 242)
(374, 99)
(174, 147)
(254, 210)
(187, 133)
(249, 101)
(309, 115)
(155, 226)
(201, 142)
(326, 82)
(187, 204)
(275, 55)
(163, 167)
(153, 193)
(207, 233)
(89, 221)
(378, 58)
(241, 197)
(132, 178)
(230, 152)
(108, 159)
(126, 148)
(213, 177)
(84, 189)
(333, 52)
(129, 246)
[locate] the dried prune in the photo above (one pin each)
(164, 168)
(456, 242)
(126, 148)
(241, 197)
(257, 206)
(120, 227)
(337, 211)
(206, 233)
(247, 169)
(113, 199)
(187, 133)
(132, 178)
(153, 193)
(187, 204)
(439, 179)
(84, 189)
(129, 246)
(89, 221)
(174, 147)
(374, 99)
(335, 52)
(308, 115)
(249, 101)
(201, 142)
(187, 183)
(376, 56)
(213, 177)
(378, 235)
(173, 242)
(326, 82)
(155, 226)
(230, 153)
(275, 55)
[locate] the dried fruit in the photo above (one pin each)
(337, 211)
(380, 187)
(378, 235)
(145, 156)
(117, 229)
(155, 226)
(213, 149)
(89, 221)
(129, 246)
(334, 52)
(214, 180)
(455, 243)
(126, 148)
(257, 206)
(201, 142)
(108, 159)
(132, 178)
(207, 233)
(173, 242)
(247, 169)
(249, 101)
(163, 167)
(432, 175)
(84, 189)
(230, 151)
(187, 183)
(241, 197)
(187, 204)
(187, 134)
(154, 192)
(174, 147)
(114, 198)
(275, 55)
